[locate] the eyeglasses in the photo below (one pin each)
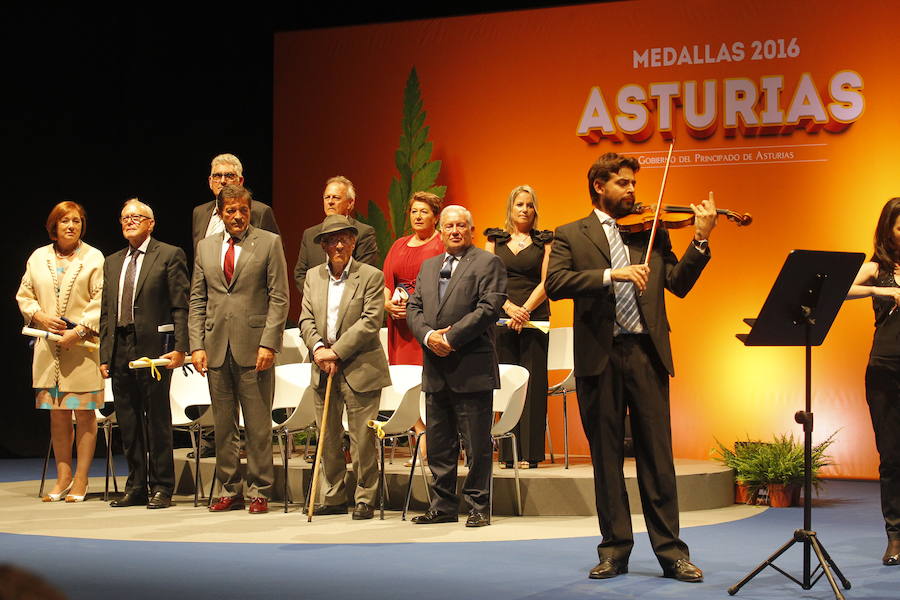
(133, 219)
(225, 176)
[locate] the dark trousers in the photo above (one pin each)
(636, 380)
(883, 396)
(448, 416)
(145, 420)
(527, 349)
(233, 388)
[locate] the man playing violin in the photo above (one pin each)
(623, 359)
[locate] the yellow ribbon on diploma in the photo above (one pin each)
(379, 432)
(153, 370)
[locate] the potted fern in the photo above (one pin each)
(776, 466)
(739, 459)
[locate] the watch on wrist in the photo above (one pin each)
(700, 245)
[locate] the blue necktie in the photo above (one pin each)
(446, 272)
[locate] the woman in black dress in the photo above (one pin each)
(525, 250)
(878, 279)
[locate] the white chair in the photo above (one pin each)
(292, 392)
(293, 350)
(509, 401)
(401, 397)
(190, 389)
(104, 422)
(561, 357)
(383, 338)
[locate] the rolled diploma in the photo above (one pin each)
(53, 337)
(143, 364)
(542, 325)
(157, 362)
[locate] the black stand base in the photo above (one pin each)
(827, 566)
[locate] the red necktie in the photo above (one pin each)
(229, 261)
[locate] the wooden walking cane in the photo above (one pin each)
(313, 492)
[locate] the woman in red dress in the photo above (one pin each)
(401, 267)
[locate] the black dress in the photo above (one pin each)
(883, 396)
(528, 348)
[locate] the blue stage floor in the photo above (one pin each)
(847, 518)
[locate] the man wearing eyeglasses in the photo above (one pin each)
(337, 199)
(227, 169)
(145, 295)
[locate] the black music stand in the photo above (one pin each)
(799, 311)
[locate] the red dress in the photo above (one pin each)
(401, 267)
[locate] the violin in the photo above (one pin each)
(643, 216)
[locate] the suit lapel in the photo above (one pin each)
(117, 261)
(146, 265)
(593, 230)
(248, 247)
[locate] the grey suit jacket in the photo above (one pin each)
(578, 258)
(246, 314)
(160, 298)
(312, 255)
(261, 216)
(471, 306)
(360, 315)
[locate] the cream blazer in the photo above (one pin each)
(75, 370)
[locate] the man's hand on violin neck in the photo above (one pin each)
(636, 274)
(704, 218)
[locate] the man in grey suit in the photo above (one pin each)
(145, 289)
(238, 307)
(226, 169)
(338, 199)
(453, 311)
(343, 308)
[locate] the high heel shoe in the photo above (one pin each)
(51, 497)
(77, 497)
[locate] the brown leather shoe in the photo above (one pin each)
(228, 503)
(683, 570)
(891, 556)
(477, 519)
(362, 512)
(159, 500)
(259, 506)
(608, 568)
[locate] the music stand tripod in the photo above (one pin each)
(799, 311)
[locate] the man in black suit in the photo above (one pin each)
(338, 199)
(144, 304)
(452, 312)
(227, 169)
(623, 359)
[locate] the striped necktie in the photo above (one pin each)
(126, 312)
(628, 319)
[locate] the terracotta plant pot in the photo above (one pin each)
(783, 496)
(741, 493)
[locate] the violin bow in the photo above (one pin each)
(662, 188)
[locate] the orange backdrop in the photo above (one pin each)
(505, 94)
